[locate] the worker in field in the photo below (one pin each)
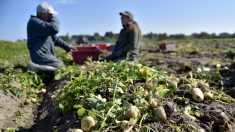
(127, 45)
(41, 40)
(82, 40)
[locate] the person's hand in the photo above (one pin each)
(73, 49)
(100, 51)
(70, 49)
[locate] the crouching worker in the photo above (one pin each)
(41, 41)
(127, 45)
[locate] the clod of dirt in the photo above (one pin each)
(219, 116)
(169, 108)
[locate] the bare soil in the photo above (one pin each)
(14, 113)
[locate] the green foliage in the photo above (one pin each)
(187, 49)
(230, 53)
(11, 52)
(105, 90)
(20, 83)
(108, 89)
(14, 77)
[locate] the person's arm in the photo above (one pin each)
(61, 43)
(47, 28)
(117, 44)
(133, 44)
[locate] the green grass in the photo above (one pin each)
(11, 52)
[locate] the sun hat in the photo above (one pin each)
(128, 14)
(46, 8)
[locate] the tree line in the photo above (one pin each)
(110, 36)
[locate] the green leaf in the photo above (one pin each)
(77, 106)
(133, 120)
(118, 101)
(61, 106)
(81, 111)
(11, 129)
(161, 91)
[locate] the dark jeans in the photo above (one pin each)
(46, 72)
(118, 58)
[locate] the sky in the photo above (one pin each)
(90, 16)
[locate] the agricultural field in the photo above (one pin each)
(189, 89)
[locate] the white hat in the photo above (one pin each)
(46, 8)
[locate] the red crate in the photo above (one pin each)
(102, 46)
(87, 45)
(167, 46)
(110, 47)
(82, 53)
(162, 46)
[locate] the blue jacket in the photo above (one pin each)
(42, 40)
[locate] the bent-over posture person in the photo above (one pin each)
(41, 40)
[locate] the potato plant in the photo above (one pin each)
(125, 94)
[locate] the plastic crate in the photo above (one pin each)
(87, 45)
(167, 47)
(81, 54)
(102, 46)
(110, 47)
(162, 46)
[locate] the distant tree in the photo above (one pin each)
(224, 35)
(232, 35)
(151, 35)
(213, 35)
(97, 36)
(109, 34)
(204, 35)
(177, 36)
(195, 35)
(66, 38)
(162, 36)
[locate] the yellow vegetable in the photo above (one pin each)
(87, 123)
(77, 130)
(160, 113)
(154, 103)
(33, 100)
(208, 95)
(53, 96)
(197, 94)
(43, 90)
(190, 116)
(125, 124)
(199, 130)
(187, 87)
(132, 112)
(145, 72)
(204, 86)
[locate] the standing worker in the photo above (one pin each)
(127, 45)
(41, 40)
